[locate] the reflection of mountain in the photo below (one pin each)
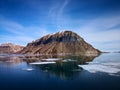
(66, 42)
(60, 69)
(9, 59)
(79, 59)
(67, 67)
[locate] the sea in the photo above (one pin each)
(60, 72)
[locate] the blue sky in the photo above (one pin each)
(97, 21)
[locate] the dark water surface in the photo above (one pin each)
(18, 72)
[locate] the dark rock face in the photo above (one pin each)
(66, 42)
(66, 36)
(10, 48)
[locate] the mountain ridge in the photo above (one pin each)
(66, 42)
(10, 48)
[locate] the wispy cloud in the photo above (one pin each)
(56, 13)
(58, 9)
(22, 40)
(65, 3)
(20, 34)
(11, 26)
(102, 32)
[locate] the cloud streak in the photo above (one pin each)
(20, 34)
(102, 32)
(56, 13)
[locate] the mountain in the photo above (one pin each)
(10, 48)
(66, 42)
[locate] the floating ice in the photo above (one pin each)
(68, 60)
(52, 59)
(112, 64)
(92, 62)
(110, 68)
(42, 63)
(28, 69)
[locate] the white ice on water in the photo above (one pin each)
(42, 63)
(110, 68)
(52, 59)
(28, 69)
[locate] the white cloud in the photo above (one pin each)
(65, 3)
(102, 31)
(56, 13)
(20, 34)
(11, 26)
(21, 40)
(58, 8)
(103, 36)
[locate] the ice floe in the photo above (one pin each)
(28, 69)
(69, 60)
(52, 59)
(42, 63)
(110, 68)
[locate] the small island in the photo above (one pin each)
(65, 42)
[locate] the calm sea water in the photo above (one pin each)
(18, 72)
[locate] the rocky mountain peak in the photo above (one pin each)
(65, 36)
(60, 42)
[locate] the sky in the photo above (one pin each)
(97, 21)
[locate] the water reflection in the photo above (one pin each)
(61, 69)
(64, 66)
(11, 59)
(79, 59)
